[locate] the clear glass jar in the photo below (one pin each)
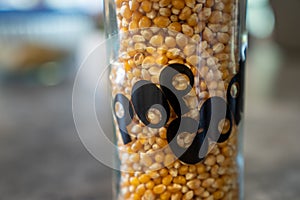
(177, 77)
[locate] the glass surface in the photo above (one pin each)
(182, 64)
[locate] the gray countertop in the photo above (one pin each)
(41, 156)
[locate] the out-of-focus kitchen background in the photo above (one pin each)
(43, 43)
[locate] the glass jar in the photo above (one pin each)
(177, 77)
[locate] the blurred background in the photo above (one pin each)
(43, 43)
